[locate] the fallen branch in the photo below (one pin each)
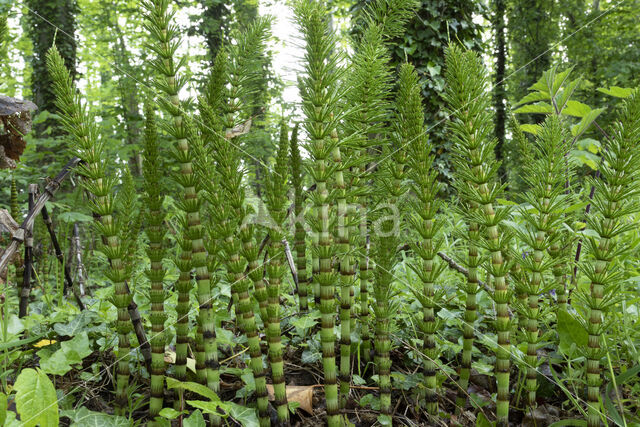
(19, 235)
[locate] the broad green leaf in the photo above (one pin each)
(586, 158)
(506, 202)
(566, 93)
(195, 420)
(576, 109)
(200, 389)
(245, 416)
(78, 346)
(534, 97)
(529, 128)
(537, 108)
(205, 406)
(83, 417)
(169, 413)
(70, 353)
(14, 325)
(11, 421)
(586, 121)
(558, 79)
(76, 325)
(55, 363)
(36, 399)
(617, 91)
(570, 331)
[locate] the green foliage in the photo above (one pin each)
(616, 197)
(542, 210)
(89, 148)
(154, 217)
(70, 353)
(321, 97)
(61, 14)
(36, 400)
(471, 129)
(276, 198)
(434, 25)
(380, 217)
(424, 220)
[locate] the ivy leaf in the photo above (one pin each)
(76, 324)
(83, 417)
(304, 322)
(195, 420)
(570, 331)
(384, 420)
(70, 353)
(245, 416)
(36, 399)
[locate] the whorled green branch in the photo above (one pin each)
(154, 216)
(86, 144)
(471, 130)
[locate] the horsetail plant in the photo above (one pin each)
(210, 130)
(321, 95)
(165, 37)
(471, 130)
(300, 233)
(425, 207)
(370, 87)
(615, 198)
(346, 267)
(390, 177)
(542, 211)
(79, 123)
(241, 76)
(154, 227)
(240, 254)
(277, 201)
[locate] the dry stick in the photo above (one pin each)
(28, 259)
(292, 266)
(68, 283)
(50, 189)
(78, 250)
